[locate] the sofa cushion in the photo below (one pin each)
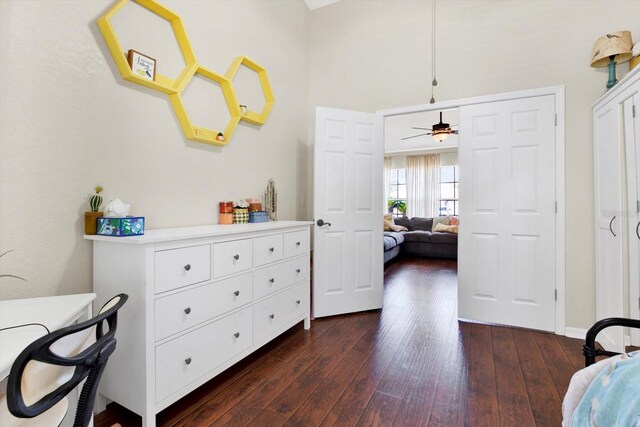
(424, 224)
(391, 240)
(440, 220)
(403, 221)
(417, 236)
(438, 237)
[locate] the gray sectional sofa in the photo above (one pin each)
(420, 240)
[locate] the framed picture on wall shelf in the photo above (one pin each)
(142, 65)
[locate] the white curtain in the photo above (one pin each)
(423, 185)
(387, 182)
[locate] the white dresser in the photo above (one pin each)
(200, 299)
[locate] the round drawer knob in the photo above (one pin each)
(271, 316)
(298, 302)
(271, 249)
(187, 267)
(236, 293)
(187, 310)
(237, 335)
(298, 270)
(272, 280)
(236, 257)
(297, 243)
(187, 361)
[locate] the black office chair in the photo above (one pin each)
(88, 362)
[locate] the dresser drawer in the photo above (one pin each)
(175, 268)
(271, 279)
(177, 312)
(274, 312)
(186, 358)
(296, 243)
(232, 257)
(267, 249)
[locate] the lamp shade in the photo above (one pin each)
(616, 44)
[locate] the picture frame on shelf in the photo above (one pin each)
(142, 65)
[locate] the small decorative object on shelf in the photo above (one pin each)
(271, 200)
(220, 137)
(121, 227)
(225, 215)
(258, 216)
(142, 65)
(241, 212)
(243, 109)
(90, 217)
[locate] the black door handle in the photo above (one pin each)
(321, 223)
(638, 230)
(610, 224)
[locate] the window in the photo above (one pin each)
(398, 192)
(449, 190)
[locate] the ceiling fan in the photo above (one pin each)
(440, 131)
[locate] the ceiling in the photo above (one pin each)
(317, 4)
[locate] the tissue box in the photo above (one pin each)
(259, 216)
(121, 227)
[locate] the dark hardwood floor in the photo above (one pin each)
(411, 363)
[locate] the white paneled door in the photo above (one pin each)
(507, 245)
(348, 252)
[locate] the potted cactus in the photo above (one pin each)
(91, 217)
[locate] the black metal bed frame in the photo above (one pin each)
(589, 348)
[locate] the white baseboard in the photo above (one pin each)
(578, 333)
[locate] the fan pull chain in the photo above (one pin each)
(434, 82)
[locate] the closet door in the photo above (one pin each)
(608, 202)
(632, 142)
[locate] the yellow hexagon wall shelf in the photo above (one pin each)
(161, 83)
(253, 116)
(201, 134)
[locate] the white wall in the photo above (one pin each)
(374, 55)
(68, 122)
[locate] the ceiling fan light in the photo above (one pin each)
(440, 136)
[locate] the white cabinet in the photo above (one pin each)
(200, 300)
(616, 137)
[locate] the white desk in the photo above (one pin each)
(53, 312)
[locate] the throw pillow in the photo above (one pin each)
(446, 228)
(445, 220)
(398, 228)
(454, 221)
(388, 222)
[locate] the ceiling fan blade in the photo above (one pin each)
(414, 136)
(415, 127)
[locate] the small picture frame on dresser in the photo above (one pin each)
(142, 65)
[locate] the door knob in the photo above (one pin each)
(236, 293)
(237, 334)
(321, 223)
(271, 316)
(187, 267)
(187, 361)
(187, 310)
(236, 257)
(638, 230)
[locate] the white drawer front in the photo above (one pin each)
(175, 268)
(232, 257)
(184, 359)
(267, 249)
(274, 312)
(177, 312)
(271, 279)
(296, 269)
(296, 243)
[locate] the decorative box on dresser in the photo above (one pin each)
(200, 299)
(616, 120)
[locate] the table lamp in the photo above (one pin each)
(609, 50)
